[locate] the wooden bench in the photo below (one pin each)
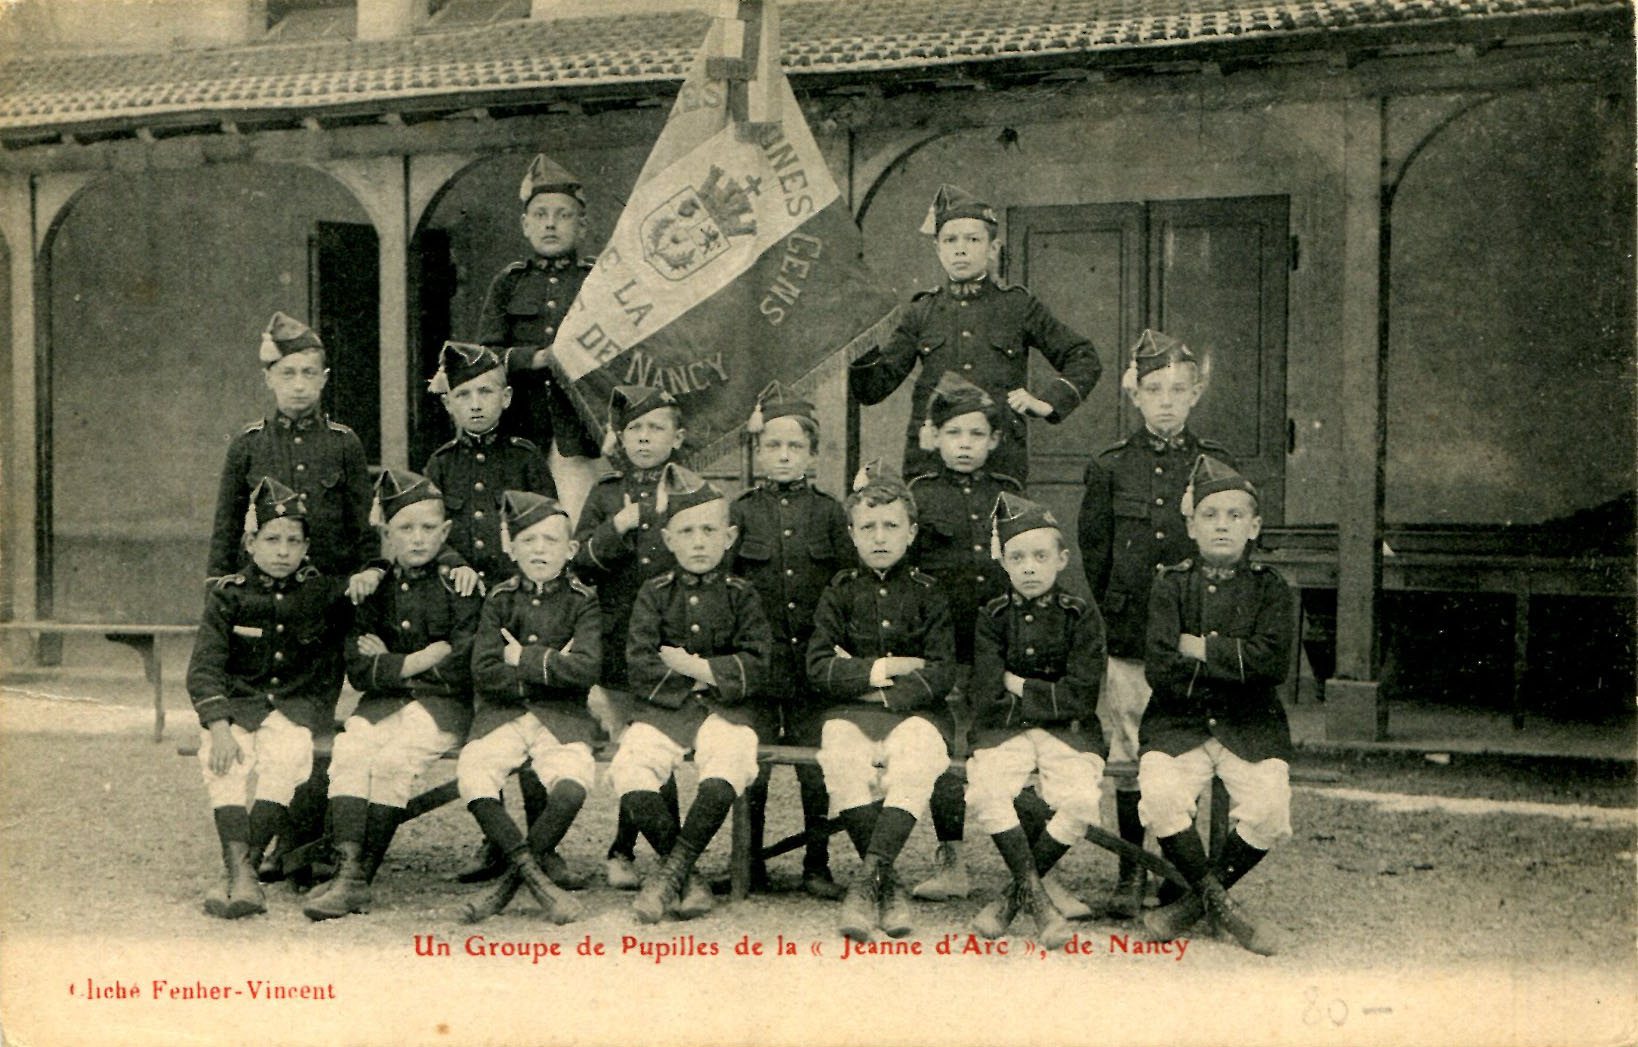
(1213, 818)
(143, 639)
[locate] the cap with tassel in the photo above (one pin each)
(1208, 477)
(952, 201)
(1012, 516)
(627, 403)
(1153, 351)
(397, 489)
(546, 175)
(775, 401)
(953, 397)
(680, 489)
(459, 363)
(284, 335)
(521, 510)
(270, 500)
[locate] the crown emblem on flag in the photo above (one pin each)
(692, 227)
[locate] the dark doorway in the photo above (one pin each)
(433, 283)
(344, 267)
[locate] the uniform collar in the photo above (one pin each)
(688, 577)
(533, 588)
(888, 575)
(307, 421)
(799, 484)
(966, 288)
(271, 584)
(562, 261)
(470, 439)
(1161, 444)
(645, 476)
(1219, 574)
(1044, 600)
(412, 573)
(961, 479)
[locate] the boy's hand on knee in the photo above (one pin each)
(224, 750)
(361, 585)
(1191, 646)
(465, 580)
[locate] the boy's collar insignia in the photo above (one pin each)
(479, 439)
(966, 288)
(1219, 574)
(1165, 443)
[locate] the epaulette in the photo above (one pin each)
(1071, 602)
(846, 574)
(451, 445)
(612, 478)
(1116, 446)
(306, 573)
(581, 587)
(753, 489)
(1008, 288)
(1180, 566)
(1004, 478)
(914, 480)
(734, 581)
(222, 581)
(922, 579)
(586, 263)
(523, 442)
(337, 426)
(257, 426)
(519, 266)
(661, 581)
(997, 605)
(510, 585)
(928, 293)
(1257, 568)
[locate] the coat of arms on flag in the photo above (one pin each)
(735, 262)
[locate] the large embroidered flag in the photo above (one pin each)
(736, 261)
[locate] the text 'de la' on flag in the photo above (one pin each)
(736, 261)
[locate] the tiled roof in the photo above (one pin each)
(843, 36)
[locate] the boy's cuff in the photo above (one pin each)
(878, 673)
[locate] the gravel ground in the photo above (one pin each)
(1508, 916)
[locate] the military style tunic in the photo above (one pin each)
(1055, 642)
(474, 472)
(984, 333)
(618, 564)
(793, 538)
(1131, 525)
(315, 457)
(953, 542)
(716, 616)
(1244, 613)
(412, 608)
(865, 615)
(551, 677)
(521, 313)
(269, 643)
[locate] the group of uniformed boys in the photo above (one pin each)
(912, 633)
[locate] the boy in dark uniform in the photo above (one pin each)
(1039, 664)
(323, 461)
(621, 546)
(522, 309)
(792, 540)
(260, 678)
(698, 652)
(1128, 529)
(953, 503)
(537, 649)
(409, 654)
(1219, 643)
(473, 471)
(983, 332)
(883, 655)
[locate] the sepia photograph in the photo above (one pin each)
(901, 522)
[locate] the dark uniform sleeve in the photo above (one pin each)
(873, 377)
(1265, 655)
(367, 672)
(650, 679)
(492, 316)
(1095, 528)
(494, 678)
(1162, 663)
(743, 672)
(1073, 696)
(359, 545)
(232, 497)
(456, 670)
(577, 663)
(830, 673)
(985, 689)
(602, 548)
(537, 475)
(926, 687)
(1068, 352)
(207, 667)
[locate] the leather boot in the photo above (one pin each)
(819, 883)
(894, 918)
(1126, 900)
(1064, 900)
(245, 892)
(487, 863)
(662, 891)
(561, 873)
(621, 873)
(862, 900)
(1174, 919)
(492, 901)
(216, 899)
(558, 905)
(1232, 917)
(696, 899)
(1051, 929)
(350, 892)
(993, 920)
(949, 880)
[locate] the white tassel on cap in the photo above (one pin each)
(861, 479)
(927, 438)
(995, 539)
(269, 351)
(753, 425)
(439, 383)
(251, 524)
(506, 537)
(378, 518)
(611, 441)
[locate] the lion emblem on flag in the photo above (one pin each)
(694, 226)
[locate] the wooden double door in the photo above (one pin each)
(1211, 272)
